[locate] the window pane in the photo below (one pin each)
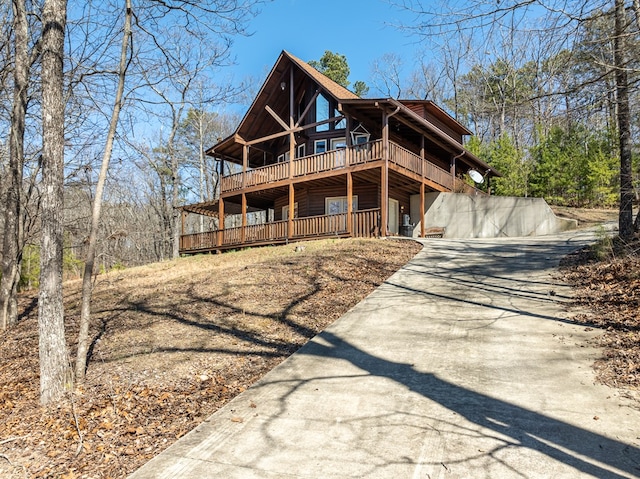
(342, 124)
(322, 112)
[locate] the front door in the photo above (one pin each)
(394, 216)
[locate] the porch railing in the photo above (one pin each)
(414, 163)
(338, 159)
(312, 164)
(364, 224)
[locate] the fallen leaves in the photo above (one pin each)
(609, 288)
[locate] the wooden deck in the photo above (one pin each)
(364, 224)
(307, 167)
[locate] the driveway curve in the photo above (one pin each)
(461, 365)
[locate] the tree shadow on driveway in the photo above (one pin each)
(519, 428)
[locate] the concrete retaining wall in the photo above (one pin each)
(470, 216)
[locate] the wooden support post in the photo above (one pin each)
(220, 176)
(220, 236)
(422, 155)
(422, 212)
(244, 218)
(349, 203)
(183, 218)
(384, 178)
(245, 164)
(292, 136)
(422, 168)
(292, 202)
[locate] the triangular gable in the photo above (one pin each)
(336, 90)
(274, 79)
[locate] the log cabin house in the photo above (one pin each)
(315, 160)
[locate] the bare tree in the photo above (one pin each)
(87, 288)
(12, 250)
(55, 371)
(625, 220)
(386, 74)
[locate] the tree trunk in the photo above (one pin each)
(12, 241)
(55, 371)
(85, 311)
(625, 218)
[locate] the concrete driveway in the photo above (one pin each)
(461, 365)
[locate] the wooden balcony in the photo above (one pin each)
(336, 161)
(364, 224)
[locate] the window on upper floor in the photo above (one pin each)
(342, 124)
(322, 112)
(319, 146)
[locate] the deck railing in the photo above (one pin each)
(364, 225)
(336, 160)
(307, 165)
(414, 163)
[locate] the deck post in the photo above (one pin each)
(183, 217)
(245, 161)
(422, 168)
(244, 218)
(422, 210)
(349, 204)
(384, 177)
(292, 200)
(292, 136)
(220, 236)
(422, 155)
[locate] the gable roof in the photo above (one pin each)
(335, 89)
(271, 94)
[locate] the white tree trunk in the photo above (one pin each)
(55, 371)
(12, 241)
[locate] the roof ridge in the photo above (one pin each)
(337, 90)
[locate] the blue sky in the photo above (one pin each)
(359, 29)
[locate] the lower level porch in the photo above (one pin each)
(360, 224)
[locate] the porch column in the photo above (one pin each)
(292, 137)
(422, 155)
(422, 168)
(220, 176)
(422, 210)
(183, 218)
(292, 201)
(245, 162)
(384, 177)
(349, 203)
(348, 149)
(244, 218)
(220, 238)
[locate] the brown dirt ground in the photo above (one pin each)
(586, 217)
(173, 342)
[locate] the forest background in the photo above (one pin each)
(549, 89)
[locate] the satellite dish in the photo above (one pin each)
(476, 176)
